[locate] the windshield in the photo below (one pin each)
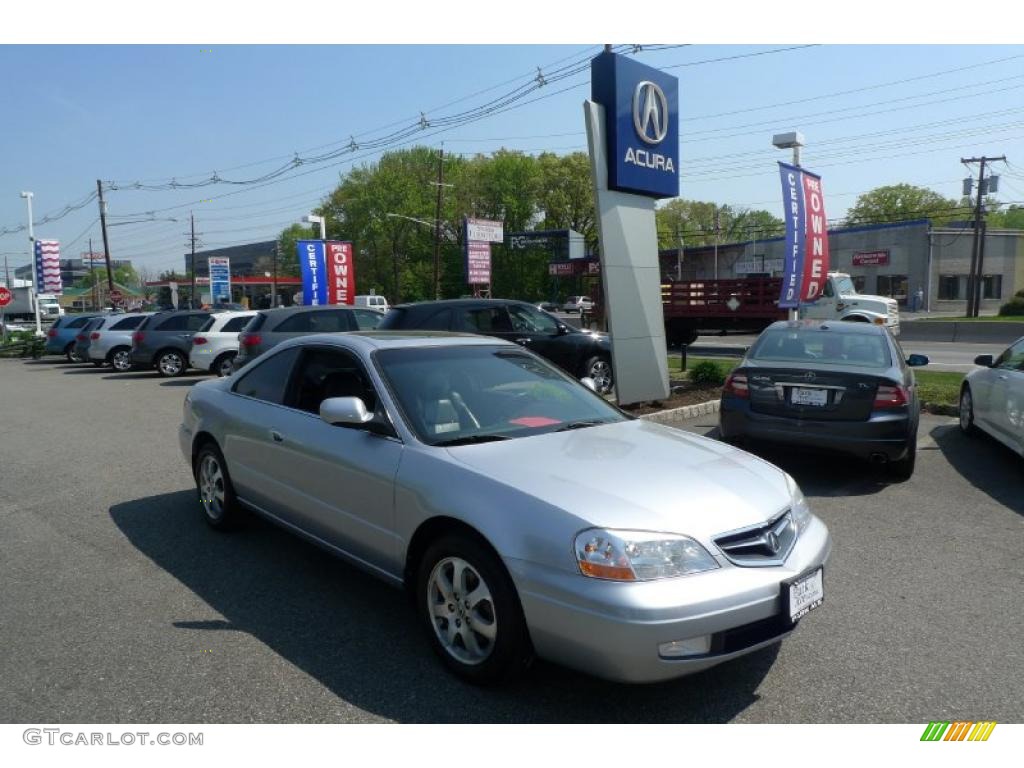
(866, 350)
(845, 286)
(452, 395)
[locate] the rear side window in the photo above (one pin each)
(330, 321)
(175, 323)
(78, 322)
(195, 322)
(367, 319)
(268, 380)
(93, 324)
(255, 322)
(486, 320)
(147, 321)
(127, 324)
(233, 325)
(394, 319)
(208, 324)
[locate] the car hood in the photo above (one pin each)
(637, 474)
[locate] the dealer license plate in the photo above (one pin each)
(807, 396)
(805, 593)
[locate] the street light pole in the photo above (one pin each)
(33, 292)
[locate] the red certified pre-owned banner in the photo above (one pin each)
(341, 273)
(815, 239)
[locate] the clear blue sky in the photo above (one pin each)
(130, 113)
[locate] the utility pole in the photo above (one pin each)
(437, 224)
(192, 240)
(273, 285)
(718, 224)
(106, 242)
(679, 252)
(974, 279)
(92, 280)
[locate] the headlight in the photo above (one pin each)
(798, 505)
(639, 555)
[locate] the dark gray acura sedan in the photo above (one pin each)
(524, 513)
(830, 385)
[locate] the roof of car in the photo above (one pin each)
(372, 340)
(832, 326)
(299, 308)
(456, 303)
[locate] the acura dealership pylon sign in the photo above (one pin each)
(641, 116)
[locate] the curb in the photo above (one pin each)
(676, 415)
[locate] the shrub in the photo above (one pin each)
(1014, 307)
(707, 373)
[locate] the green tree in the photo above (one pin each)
(899, 202)
(693, 223)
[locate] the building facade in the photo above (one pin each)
(895, 260)
(248, 260)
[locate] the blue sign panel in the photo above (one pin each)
(793, 203)
(220, 279)
(314, 272)
(641, 113)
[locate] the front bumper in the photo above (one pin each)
(883, 433)
(613, 629)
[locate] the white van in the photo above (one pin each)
(372, 301)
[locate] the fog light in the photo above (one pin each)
(694, 646)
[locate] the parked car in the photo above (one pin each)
(548, 306)
(270, 327)
(111, 340)
(60, 338)
(578, 304)
(164, 340)
(83, 340)
(215, 345)
(372, 301)
(831, 385)
(581, 353)
(524, 513)
(992, 397)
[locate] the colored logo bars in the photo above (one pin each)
(960, 730)
(48, 267)
(806, 259)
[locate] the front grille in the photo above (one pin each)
(760, 545)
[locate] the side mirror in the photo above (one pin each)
(984, 360)
(915, 361)
(562, 329)
(345, 412)
(589, 383)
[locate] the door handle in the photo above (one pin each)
(1003, 377)
(523, 341)
(276, 436)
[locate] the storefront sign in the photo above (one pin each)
(871, 259)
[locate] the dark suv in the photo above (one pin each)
(164, 341)
(578, 352)
(269, 327)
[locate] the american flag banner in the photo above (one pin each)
(48, 267)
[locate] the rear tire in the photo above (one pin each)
(904, 468)
(70, 354)
(967, 425)
(171, 363)
(470, 610)
(222, 366)
(216, 494)
(599, 368)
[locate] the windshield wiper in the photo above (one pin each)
(469, 440)
(580, 425)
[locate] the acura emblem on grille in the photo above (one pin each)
(809, 375)
(772, 542)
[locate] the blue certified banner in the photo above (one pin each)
(314, 272)
(793, 258)
(641, 115)
(806, 262)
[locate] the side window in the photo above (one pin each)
(367, 319)
(1012, 359)
(439, 321)
(828, 289)
(330, 321)
(78, 322)
(324, 373)
(127, 324)
(195, 322)
(235, 324)
(297, 323)
(530, 320)
(176, 323)
(486, 320)
(268, 381)
(208, 324)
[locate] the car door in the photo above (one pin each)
(540, 332)
(1005, 400)
(340, 479)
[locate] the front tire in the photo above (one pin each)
(967, 425)
(469, 608)
(599, 368)
(171, 363)
(216, 494)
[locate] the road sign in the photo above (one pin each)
(116, 296)
(5, 296)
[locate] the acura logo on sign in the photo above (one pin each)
(650, 112)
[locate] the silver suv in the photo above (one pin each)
(110, 342)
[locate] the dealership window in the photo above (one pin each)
(859, 282)
(992, 286)
(894, 286)
(950, 287)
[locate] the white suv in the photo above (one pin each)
(578, 304)
(216, 343)
(372, 301)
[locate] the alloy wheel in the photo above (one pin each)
(966, 410)
(224, 366)
(461, 610)
(601, 372)
(211, 487)
(171, 364)
(121, 360)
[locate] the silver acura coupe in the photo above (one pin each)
(525, 515)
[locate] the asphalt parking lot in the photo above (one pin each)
(118, 603)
